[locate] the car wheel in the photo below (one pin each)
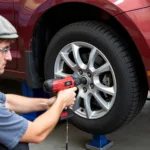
(112, 95)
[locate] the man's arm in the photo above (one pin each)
(21, 104)
(39, 129)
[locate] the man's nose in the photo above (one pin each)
(8, 56)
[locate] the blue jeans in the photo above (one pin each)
(20, 146)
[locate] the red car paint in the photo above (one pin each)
(24, 15)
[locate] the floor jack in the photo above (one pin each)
(99, 142)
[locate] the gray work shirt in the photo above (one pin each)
(12, 126)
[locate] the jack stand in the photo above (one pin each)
(99, 142)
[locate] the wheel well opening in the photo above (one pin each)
(53, 20)
(61, 15)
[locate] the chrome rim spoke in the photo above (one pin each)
(103, 88)
(92, 58)
(68, 61)
(100, 70)
(101, 102)
(87, 106)
(78, 60)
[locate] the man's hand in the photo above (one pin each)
(67, 97)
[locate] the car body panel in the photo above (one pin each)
(28, 12)
(128, 5)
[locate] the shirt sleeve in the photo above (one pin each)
(2, 97)
(12, 127)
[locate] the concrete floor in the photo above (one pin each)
(134, 136)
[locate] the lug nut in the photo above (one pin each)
(85, 90)
(81, 72)
(92, 85)
(89, 75)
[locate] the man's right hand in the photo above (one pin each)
(67, 97)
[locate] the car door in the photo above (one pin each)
(6, 10)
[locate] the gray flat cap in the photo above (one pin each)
(7, 30)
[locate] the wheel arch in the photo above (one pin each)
(43, 32)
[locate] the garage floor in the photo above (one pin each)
(134, 136)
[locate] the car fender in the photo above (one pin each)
(30, 11)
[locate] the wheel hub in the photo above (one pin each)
(84, 80)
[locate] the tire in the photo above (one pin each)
(109, 109)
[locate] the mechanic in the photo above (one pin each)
(15, 131)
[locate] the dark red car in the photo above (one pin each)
(105, 41)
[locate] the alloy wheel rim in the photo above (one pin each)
(96, 98)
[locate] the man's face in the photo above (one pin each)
(4, 56)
